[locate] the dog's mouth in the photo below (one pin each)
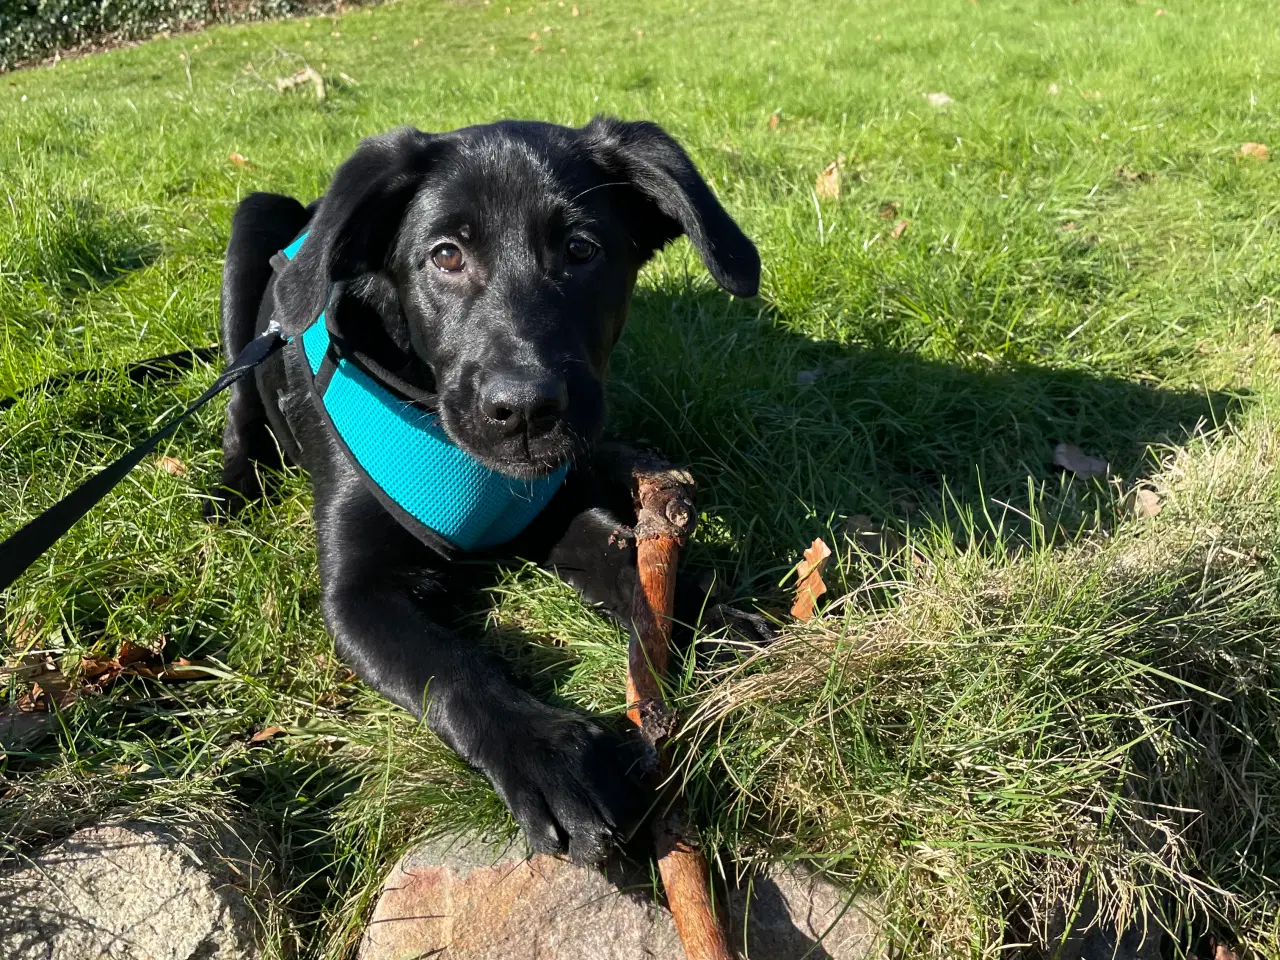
(521, 457)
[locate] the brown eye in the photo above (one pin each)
(580, 250)
(448, 258)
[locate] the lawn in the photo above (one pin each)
(1023, 695)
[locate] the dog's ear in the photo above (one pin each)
(355, 226)
(673, 199)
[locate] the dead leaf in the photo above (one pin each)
(938, 99)
(535, 35)
(1160, 12)
(1091, 94)
(873, 538)
(1054, 90)
(1139, 176)
(1223, 952)
(810, 586)
(417, 42)
(265, 734)
(1074, 460)
(172, 466)
(889, 209)
(807, 378)
(1144, 503)
(1254, 151)
(774, 120)
(1068, 226)
(828, 182)
(305, 75)
(239, 160)
(21, 728)
(899, 228)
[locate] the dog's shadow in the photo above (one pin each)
(788, 434)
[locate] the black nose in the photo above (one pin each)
(521, 400)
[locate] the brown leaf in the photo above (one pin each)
(172, 466)
(1223, 952)
(899, 228)
(889, 209)
(1144, 503)
(1069, 226)
(828, 183)
(1074, 460)
(239, 160)
(873, 538)
(810, 586)
(265, 734)
(20, 728)
(1254, 151)
(131, 653)
(774, 119)
(1139, 176)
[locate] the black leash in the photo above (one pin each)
(25, 547)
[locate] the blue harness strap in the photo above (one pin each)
(437, 489)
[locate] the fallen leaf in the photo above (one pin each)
(1254, 151)
(1091, 94)
(574, 11)
(1139, 176)
(1074, 460)
(21, 728)
(417, 42)
(828, 182)
(239, 160)
(899, 228)
(1223, 952)
(1160, 12)
(810, 586)
(1144, 503)
(1054, 90)
(172, 466)
(535, 36)
(305, 75)
(265, 734)
(873, 538)
(807, 378)
(1068, 226)
(938, 99)
(889, 209)
(773, 121)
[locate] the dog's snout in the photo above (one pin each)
(524, 400)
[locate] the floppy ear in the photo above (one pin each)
(674, 199)
(354, 228)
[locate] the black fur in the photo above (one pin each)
(550, 225)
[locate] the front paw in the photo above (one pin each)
(726, 630)
(571, 784)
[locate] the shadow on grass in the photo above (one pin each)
(790, 435)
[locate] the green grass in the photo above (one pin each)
(1042, 701)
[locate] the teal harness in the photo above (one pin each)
(439, 492)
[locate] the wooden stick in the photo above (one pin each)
(665, 517)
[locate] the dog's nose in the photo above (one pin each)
(524, 401)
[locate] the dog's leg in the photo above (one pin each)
(263, 224)
(571, 783)
(585, 537)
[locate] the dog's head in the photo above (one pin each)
(510, 252)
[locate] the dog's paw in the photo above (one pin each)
(572, 785)
(232, 496)
(727, 631)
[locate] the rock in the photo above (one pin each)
(132, 892)
(467, 900)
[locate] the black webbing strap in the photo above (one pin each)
(26, 546)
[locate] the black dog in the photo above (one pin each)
(493, 268)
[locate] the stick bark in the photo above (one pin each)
(665, 517)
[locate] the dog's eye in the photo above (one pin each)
(448, 258)
(580, 250)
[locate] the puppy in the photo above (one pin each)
(485, 274)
